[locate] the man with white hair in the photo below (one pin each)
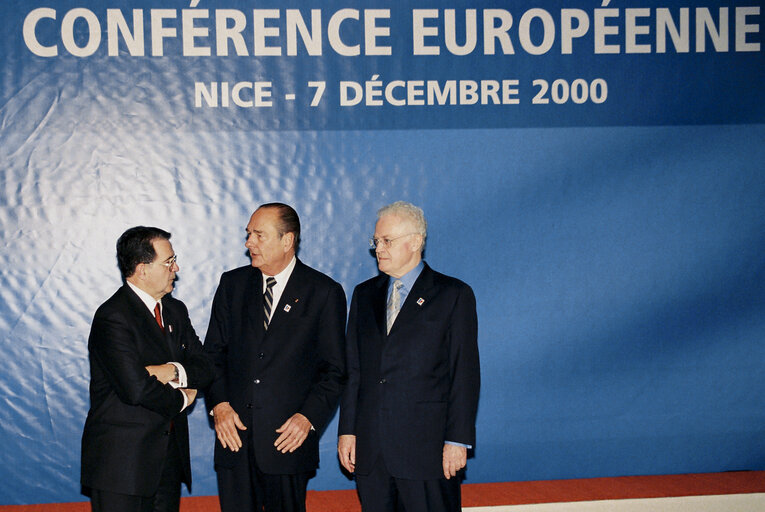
(407, 415)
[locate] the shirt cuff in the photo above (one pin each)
(459, 444)
(185, 400)
(182, 381)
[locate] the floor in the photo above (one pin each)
(742, 491)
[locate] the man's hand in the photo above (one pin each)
(227, 426)
(346, 450)
(455, 458)
(294, 431)
(163, 372)
(191, 394)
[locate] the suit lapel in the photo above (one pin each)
(146, 323)
(379, 303)
(253, 304)
(171, 331)
(291, 298)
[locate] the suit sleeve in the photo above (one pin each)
(114, 347)
(198, 366)
(216, 345)
(346, 424)
(464, 367)
(322, 399)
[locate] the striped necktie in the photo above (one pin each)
(268, 299)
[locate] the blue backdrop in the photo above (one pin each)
(597, 177)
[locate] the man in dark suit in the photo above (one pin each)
(407, 415)
(135, 445)
(276, 336)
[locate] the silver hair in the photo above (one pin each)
(407, 211)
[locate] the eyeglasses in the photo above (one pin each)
(386, 242)
(169, 263)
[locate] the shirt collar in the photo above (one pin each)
(410, 277)
(283, 276)
(145, 297)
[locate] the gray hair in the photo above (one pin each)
(409, 212)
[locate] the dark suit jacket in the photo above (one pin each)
(417, 387)
(298, 365)
(126, 433)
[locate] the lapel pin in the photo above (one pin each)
(420, 301)
(287, 308)
(170, 328)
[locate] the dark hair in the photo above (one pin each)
(289, 222)
(135, 246)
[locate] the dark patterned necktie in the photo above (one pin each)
(268, 299)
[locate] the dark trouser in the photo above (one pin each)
(245, 488)
(105, 501)
(167, 498)
(381, 492)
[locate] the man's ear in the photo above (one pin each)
(417, 244)
(140, 271)
(288, 241)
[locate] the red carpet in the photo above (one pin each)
(509, 493)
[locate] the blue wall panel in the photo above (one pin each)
(616, 250)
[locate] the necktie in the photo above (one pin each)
(158, 317)
(268, 298)
(394, 303)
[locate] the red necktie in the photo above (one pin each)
(158, 317)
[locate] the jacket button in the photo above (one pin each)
(261, 355)
(383, 381)
(249, 406)
(257, 381)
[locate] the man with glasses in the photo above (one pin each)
(277, 338)
(146, 364)
(407, 415)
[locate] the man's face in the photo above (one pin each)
(268, 252)
(403, 252)
(158, 276)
